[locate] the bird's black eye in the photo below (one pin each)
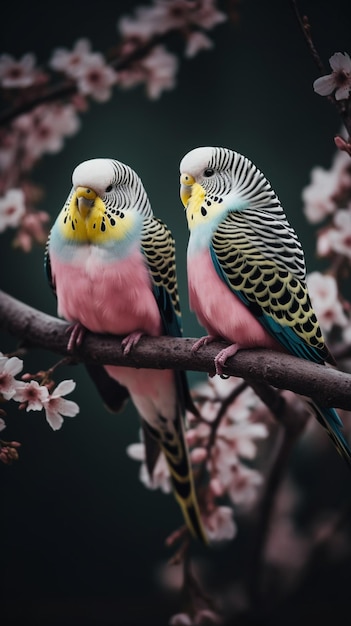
(209, 172)
(109, 188)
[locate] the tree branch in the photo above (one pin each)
(36, 329)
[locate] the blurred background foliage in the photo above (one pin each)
(82, 540)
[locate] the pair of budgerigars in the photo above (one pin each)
(111, 264)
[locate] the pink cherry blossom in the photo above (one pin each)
(340, 236)
(162, 68)
(207, 15)
(32, 229)
(133, 31)
(339, 80)
(95, 78)
(202, 617)
(181, 619)
(327, 188)
(14, 74)
(157, 70)
(240, 437)
(46, 127)
(56, 406)
(160, 478)
(198, 455)
(229, 475)
(346, 335)
(318, 196)
(324, 247)
(166, 15)
(197, 41)
(244, 485)
(323, 291)
(72, 62)
(220, 524)
(9, 368)
(12, 209)
(32, 394)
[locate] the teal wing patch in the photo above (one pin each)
(276, 294)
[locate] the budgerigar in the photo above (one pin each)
(246, 267)
(111, 264)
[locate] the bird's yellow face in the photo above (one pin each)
(85, 218)
(199, 207)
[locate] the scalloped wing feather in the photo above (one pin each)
(272, 288)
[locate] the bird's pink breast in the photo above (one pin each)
(106, 297)
(219, 310)
(117, 298)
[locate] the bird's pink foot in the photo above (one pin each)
(76, 335)
(223, 356)
(130, 341)
(203, 341)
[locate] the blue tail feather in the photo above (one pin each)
(333, 425)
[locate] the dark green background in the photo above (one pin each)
(81, 538)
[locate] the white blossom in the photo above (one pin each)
(339, 80)
(321, 197)
(72, 62)
(160, 478)
(323, 291)
(96, 78)
(56, 407)
(33, 394)
(157, 70)
(9, 368)
(46, 127)
(20, 73)
(12, 209)
(197, 41)
(220, 525)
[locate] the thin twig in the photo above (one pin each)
(306, 31)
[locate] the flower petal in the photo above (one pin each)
(53, 418)
(68, 408)
(13, 366)
(343, 92)
(136, 451)
(340, 61)
(64, 387)
(324, 85)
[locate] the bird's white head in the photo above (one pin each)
(95, 173)
(106, 203)
(205, 181)
(215, 181)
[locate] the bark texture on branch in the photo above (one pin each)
(36, 329)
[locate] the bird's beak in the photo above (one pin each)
(186, 183)
(85, 200)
